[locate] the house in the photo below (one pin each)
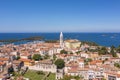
(2, 66)
(73, 43)
(59, 74)
(71, 64)
(92, 64)
(73, 71)
(27, 62)
(17, 65)
(95, 63)
(15, 53)
(82, 72)
(45, 65)
(25, 55)
(115, 60)
(105, 57)
(5, 60)
(112, 76)
(84, 55)
(81, 63)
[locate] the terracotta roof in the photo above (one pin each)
(95, 62)
(2, 63)
(4, 59)
(113, 73)
(73, 70)
(83, 69)
(81, 60)
(72, 64)
(16, 62)
(46, 62)
(26, 60)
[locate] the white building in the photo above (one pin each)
(45, 65)
(61, 40)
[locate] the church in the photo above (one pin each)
(69, 44)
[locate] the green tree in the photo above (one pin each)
(63, 52)
(54, 57)
(37, 57)
(60, 63)
(10, 70)
(117, 65)
(103, 51)
(18, 57)
(78, 52)
(46, 56)
(118, 49)
(113, 51)
(87, 60)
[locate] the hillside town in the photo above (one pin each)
(66, 59)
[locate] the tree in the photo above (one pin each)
(78, 52)
(37, 57)
(117, 65)
(113, 51)
(54, 57)
(118, 49)
(103, 51)
(18, 57)
(63, 52)
(10, 70)
(87, 60)
(71, 52)
(60, 63)
(46, 56)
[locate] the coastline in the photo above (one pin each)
(108, 40)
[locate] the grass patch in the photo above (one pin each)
(51, 77)
(32, 75)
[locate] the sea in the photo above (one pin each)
(103, 39)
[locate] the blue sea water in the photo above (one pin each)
(104, 39)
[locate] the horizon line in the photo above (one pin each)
(59, 32)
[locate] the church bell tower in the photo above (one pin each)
(61, 40)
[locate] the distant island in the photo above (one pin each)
(24, 39)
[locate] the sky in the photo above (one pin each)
(59, 15)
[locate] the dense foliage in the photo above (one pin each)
(46, 56)
(54, 57)
(63, 52)
(87, 60)
(112, 51)
(103, 51)
(60, 63)
(117, 65)
(10, 70)
(37, 57)
(90, 43)
(118, 49)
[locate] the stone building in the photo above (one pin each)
(46, 66)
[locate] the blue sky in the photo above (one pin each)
(59, 15)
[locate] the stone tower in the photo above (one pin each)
(61, 40)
